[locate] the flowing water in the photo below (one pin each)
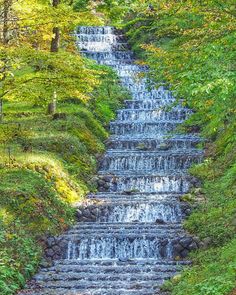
(128, 247)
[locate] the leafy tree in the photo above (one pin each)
(34, 64)
(190, 47)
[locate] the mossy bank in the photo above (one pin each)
(47, 164)
(179, 44)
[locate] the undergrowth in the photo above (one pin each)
(47, 164)
(179, 44)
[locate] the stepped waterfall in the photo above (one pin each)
(129, 237)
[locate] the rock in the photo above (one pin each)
(59, 116)
(184, 253)
(94, 181)
(142, 147)
(187, 198)
(195, 182)
(57, 257)
(79, 213)
(206, 242)
(51, 241)
(188, 211)
(131, 191)
(164, 146)
(107, 185)
(45, 264)
(185, 242)
(160, 221)
(49, 253)
(178, 249)
(101, 182)
(107, 178)
(197, 241)
(164, 242)
(192, 246)
(56, 249)
(95, 211)
(63, 244)
(124, 259)
(194, 129)
(176, 278)
(86, 213)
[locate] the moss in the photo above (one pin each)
(214, 218)
(46, 166)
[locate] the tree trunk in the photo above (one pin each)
(52, 106)
(6, 9)
(54, 48)
(55, 40)
(1, 110)
(56, 31)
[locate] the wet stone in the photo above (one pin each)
(129, 236)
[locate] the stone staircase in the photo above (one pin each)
(129, 237)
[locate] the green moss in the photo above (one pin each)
(30, 207)
(47, 165)
(213, 272)
(193, 66)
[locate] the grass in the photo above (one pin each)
(46, 166)
(214, 218)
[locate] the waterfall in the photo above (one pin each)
(130, 233)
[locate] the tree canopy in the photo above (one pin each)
(31, 68)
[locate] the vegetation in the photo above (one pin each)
(48, 160)
(55, 107)
(190, 48)
(47, 165)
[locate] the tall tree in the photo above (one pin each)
(56, 31)
(36, 68)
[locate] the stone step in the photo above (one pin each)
(103, 38)
(159, 153)
(148, 104)
(106, 56)
(62, 291)
(126, 226)
(91, 277)
(151, 144)
(108, 271)
(133, 210)
(114, 62)
(101, 285)
(119, 264)
(165, 245)
(131, 67)
(159, 161)
(136, 197)
(143, 129)
(95, 30)
(152, 115)
(122, 232)
(151, 95)
(126, 72)
(102, 47)
(148, 183)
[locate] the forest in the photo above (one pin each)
(56, 105)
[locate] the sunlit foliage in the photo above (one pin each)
(190, 48)
(28, 70)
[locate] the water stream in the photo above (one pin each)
(129, 247)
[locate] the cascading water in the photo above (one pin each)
(127, 241)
